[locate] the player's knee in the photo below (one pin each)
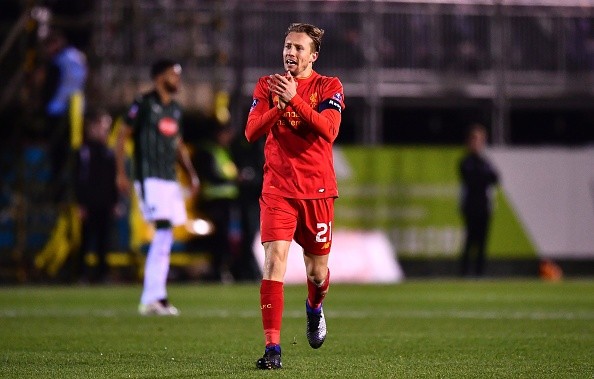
(318, 280)
(276, 260)
(317, 273)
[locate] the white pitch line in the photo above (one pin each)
(229, 313)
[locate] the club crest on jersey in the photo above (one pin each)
(313, 100)
(168, 126)
(254, 103)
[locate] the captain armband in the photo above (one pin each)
(330, 104)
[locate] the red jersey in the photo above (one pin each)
(298, 150)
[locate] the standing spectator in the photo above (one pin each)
(153, 122)
(218, 199)
(63, 94)
(249, 159)
(478, 178)
(299, 112)
(96, 193)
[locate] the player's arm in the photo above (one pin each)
(260, 124)
(129, 122)
(183, 156)
(261, 118)
(122, 180)
(325, 123)
(493, 174)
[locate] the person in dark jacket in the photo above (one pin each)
(478, 178)
(96, 194)
(63, 101)
(218, 200)
(249, 158)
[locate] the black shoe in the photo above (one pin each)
(271, 359)
(316, 326)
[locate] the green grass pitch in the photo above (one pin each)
(417, 329)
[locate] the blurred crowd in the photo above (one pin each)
(58, 158)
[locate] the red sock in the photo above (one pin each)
(317, 293)
(271, 304)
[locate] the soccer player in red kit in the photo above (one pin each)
(299, 112)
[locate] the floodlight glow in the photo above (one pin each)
(200, 227)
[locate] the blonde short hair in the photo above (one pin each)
(312, 31)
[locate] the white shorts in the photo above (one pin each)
(161, 199)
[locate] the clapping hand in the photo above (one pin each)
(284, 86)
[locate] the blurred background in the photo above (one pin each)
(416, 74)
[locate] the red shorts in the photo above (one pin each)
(308, 222)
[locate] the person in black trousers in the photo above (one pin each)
(249, 158)
(96, 194)
(478, 178)
(218, 200)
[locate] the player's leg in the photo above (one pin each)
(162, 203)
(318, 278)
(271, 289)
(278, 221)
(314, 234)
(318, 282)
(154, 294)
(272, 301)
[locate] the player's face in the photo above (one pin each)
(298, 55)
(172, 79)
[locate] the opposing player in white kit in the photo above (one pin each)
(153, 122)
